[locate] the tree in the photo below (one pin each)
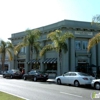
(96, 39)
(59, 44)
(6, 48)
(31, 40)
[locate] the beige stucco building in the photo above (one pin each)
(76, 59)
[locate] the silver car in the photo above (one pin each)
(96, 84)
(74, 78)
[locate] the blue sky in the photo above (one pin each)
(18, 15)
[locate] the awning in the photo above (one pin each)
(50, 60)
(35, 61)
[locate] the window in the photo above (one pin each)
(72, 74)
(81, 44)
(22, 50)
(84, 45)
(78, 45)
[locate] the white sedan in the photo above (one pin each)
(96, 84)
(74, 78)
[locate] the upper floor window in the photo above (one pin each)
(84, 45)
(22, 50)
(81, 44)
(78, 45)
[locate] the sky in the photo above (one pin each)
(19, 15)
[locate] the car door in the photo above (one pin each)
(72, 77)
(29, 75)
(8, 73)
(65, 78)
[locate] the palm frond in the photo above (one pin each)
(18, 47)
(46, 48)
(96, 20)
(66, 36)
(9, 52)
(93, 41)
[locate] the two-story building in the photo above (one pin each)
(76, 59)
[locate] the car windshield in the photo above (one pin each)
(15, 71)
(39, 72)
(83, 74)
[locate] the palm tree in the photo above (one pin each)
(59, 44)
(6, 48)
(93, 41)
(31, 40)
(96, 39)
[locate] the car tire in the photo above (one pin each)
(58, 81)
(76, 83)
(24, 78)
(45, 80)
(35, 79)
(97, 86)
(4, 76)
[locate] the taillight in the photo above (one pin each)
(85, 78)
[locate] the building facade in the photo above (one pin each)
(76, 59)
(6, 64)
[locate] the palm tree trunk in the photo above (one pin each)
(31, 56)
(3, 66)
(60, 58)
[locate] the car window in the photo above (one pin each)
(67, 74)
(31, 72)
(9, 71)
(73, 74)
(83, 74)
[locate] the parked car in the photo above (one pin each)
(96, 84)
(74, 78)
(35, 75)
(13, 73)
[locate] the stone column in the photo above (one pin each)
(98, 54)
(65, 59)
(27, 59)
(72, 55)
(93, 55)
(15, 62)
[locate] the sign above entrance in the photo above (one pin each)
(83, 33)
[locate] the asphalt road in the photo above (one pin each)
(45, 90)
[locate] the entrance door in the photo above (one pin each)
(82, 67)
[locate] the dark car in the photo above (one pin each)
(13, 73)
(35, 75)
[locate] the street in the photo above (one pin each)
(31, 90)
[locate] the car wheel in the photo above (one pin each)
(34, 79)
(97, 86)
(76, 83)
(58, 81)
(4, 76)
(24, 77)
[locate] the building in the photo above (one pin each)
(6, 64)
(76, 59)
